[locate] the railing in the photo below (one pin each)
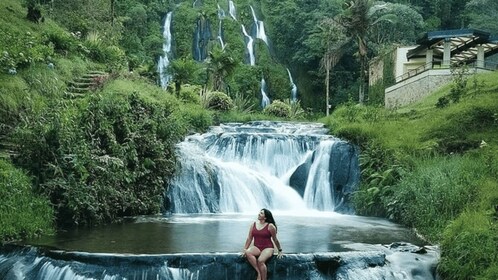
(474, 64)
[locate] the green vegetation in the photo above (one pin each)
(22, 213)
(434, 169)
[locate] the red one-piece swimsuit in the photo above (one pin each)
(262, 237)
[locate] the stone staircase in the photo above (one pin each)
(88, 82)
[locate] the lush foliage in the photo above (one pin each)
(433, 170)
(22, 212)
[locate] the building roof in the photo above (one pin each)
(464, 43)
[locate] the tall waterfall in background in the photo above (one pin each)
(249, 47)
(163, 63)
(231, 10)
(293, 89)
(265, 101)
(245, 167)
(259, 28)
(201, 38)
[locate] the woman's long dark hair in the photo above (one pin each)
(269, 217)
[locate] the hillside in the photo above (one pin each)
(434, 169)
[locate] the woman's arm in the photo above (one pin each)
(249, 238)
(273, 231)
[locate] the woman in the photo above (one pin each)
(264, 231)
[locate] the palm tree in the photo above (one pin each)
(358, 18)
(183, 71)
(333, 40)
(356, 21)
(220, 65)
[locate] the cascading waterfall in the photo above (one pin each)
(231, 10)
(202, 35)
(221, 16)
(163, 63)
(265, 101)
(293, 89)
(241, 168)
(294, 169)
(259, 28)
(249, 47)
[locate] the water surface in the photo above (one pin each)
(308, 232)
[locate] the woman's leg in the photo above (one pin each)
(252, 254)
(263, 257)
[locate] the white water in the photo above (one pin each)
(249, 47)
(294, 87)
(251, 169)
(231, 10)
(260, 27)
(163, 63)
(265, 101)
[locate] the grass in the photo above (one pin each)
(446, 158)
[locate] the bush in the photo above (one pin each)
(470, 248)
(23, 214)
(115, 153)
(436, 192)
(21, 50)
(219, 101)
(190, 94)
(278, 109)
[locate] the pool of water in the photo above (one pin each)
(308, 232)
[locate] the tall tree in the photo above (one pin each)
(356, 21)
(330, 38)
(183, 71)
(220, 66)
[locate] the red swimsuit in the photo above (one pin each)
(262, 237)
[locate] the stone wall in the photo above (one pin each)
(415, 88)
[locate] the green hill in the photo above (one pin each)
(434, 169)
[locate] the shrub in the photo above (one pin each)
(190, 94)
(278, 109)
(219, 101)
(23, 214)
(470, 248)
(21, 50)
(115, 153)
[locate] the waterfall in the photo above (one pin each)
(221, 12)
(294, 87)
(163, 63)
(265, 101)
(245, 167)
(249, 47)
(260, 28)
(231, 10)
(220, 34)
(201, 37)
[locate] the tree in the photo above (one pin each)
(220, 65)
(356, 21)
(358, 18)
(482, 14)
(183, 71)
(330, 38)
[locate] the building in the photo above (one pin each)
(421, 69)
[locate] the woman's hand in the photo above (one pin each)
(243, 253)
(280, 254)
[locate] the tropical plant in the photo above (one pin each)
(220, 65)
(330, 38)
(278, 109)
(183, 72)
